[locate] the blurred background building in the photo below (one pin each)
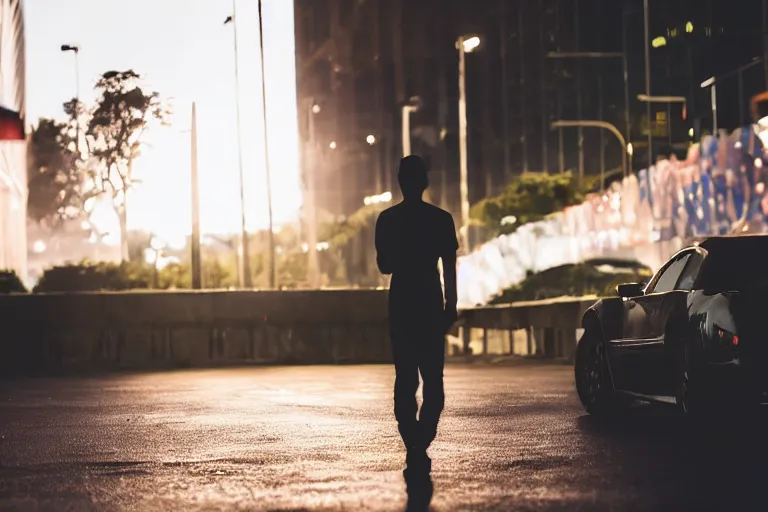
(361, 61)
(13, 171)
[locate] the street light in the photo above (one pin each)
(630, 152)
(332, 145)
(76, 50)
(245, 259)
(464, 45)
(371, 140)
(411, 106)
(384, 197)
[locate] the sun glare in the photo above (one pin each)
(161, 202)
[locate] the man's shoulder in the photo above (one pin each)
(439, 213)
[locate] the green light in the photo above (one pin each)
(689, 27)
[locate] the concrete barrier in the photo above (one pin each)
(548, 327)
(49, 333)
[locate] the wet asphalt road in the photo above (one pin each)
(323, 438)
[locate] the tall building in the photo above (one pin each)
(13, 170)
(539, 61)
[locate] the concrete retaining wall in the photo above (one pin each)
(45, 333)
(550, 326)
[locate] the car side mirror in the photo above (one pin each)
(630, 290)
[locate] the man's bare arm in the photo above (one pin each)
(449, 280)
(449, 268)
(383, 257)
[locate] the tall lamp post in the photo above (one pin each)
(76, 50)
(245, 257)
(272, 279)
(465, 45)
(648, 81)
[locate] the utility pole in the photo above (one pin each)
(245, 253)
(765, 41)
(523, 111)
(602, 133)
(311, 158)
(195, 243)
(578, 98)
(543, 92)
(648, 82)
(272, 277)
(504, 90)
(625, 66)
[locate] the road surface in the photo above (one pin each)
(323, 438)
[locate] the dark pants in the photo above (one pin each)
(418, 347)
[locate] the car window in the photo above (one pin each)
(669, 277)
(690, 272)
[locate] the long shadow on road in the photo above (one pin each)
(678, 464)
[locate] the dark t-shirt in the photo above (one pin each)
(410, 239)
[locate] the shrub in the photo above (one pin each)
(88, 276)
(10, 282)
(577, 280)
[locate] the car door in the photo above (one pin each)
(639, 354)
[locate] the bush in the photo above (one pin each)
(10, 283)
(95, 277)
(577, 280)
(88, 276)
(529, 198)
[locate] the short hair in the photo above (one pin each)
(412, 176)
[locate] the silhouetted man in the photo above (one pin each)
(410, 239)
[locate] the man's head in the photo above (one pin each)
(412, 176)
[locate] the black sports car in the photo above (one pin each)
(694, 335)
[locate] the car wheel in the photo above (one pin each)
(687, 394)
(695, 398)
(593, 379)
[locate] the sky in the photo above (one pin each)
(185, 52)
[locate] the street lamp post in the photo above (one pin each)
(648, 81)
(464, 45)
(272, 277)
(197, 280)
(406, 128)
(311, 158)
(245, 257)
(76, 50)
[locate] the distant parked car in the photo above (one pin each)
(693, 336)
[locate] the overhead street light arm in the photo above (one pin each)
(586, 55)
(597, 124)
(712, 80)
(662, 99)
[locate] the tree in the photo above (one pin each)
(53, 177)
(123, 113)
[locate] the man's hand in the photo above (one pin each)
(451, 315)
